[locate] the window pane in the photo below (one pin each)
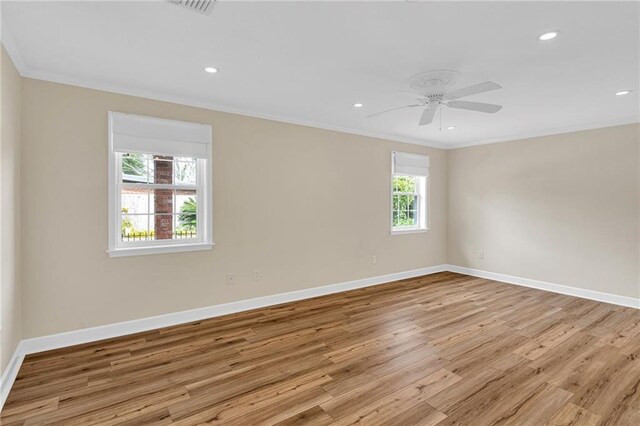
(162, 220)
(184, 171)
(135, 168)
(135, 210)
(167, 227)
(186, 209)
(405, 211)
(162, 201)
(135, 201)
(136, 228)
(161, 169)
(412, 202)
(404, 184)
(186, 226)
(162, 226)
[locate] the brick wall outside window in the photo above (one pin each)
(163, 200)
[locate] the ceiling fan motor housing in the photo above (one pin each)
(433, 82)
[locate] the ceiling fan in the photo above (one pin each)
(432, 88)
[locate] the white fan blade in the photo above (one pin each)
(427, 116)
(392, 109)
(475, 106)
(472, 90)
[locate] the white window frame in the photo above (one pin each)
(423, 204)
(204, 212)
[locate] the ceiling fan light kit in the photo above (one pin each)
(432, 91)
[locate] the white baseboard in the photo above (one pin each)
(55, 341)
(10, 373)
(615, 299)
(77, 337)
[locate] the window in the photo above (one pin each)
(159, 185)
(409, 193)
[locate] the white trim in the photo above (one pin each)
(159, 249)
(61, 340)
(10, 373)
(212, 106)
(598, 296)
(550, 132)
(409, 231)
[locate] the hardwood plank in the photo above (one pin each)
(538, 408)
(315, 416)
(284, 409)
(366, 394)
(545, 341)
(419, 415)
(16, 412)
(249, 402)
(400, 401)
(571, 414)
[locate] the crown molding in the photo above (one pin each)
(550, 132)
(199, 103)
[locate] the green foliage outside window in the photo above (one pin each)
(127, 223)
(405, 206)
(133, 164)
(187, 216)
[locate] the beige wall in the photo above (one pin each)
(307, 207)
(562, 209)
(10, 291)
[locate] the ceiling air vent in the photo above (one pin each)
(201, 6)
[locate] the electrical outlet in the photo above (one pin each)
(257, 274)
(480, 254)
(230, 279)
(374, 260)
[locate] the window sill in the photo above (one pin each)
(409, 231)
(137, 251)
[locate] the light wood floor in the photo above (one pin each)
(441, 349)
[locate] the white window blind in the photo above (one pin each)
(150, 135)
(405, 163)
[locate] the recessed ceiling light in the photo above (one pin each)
(211, 70)
(358, 105)
(548, 36)
(623, 92)
(451, 128)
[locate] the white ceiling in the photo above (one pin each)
(309, 62)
